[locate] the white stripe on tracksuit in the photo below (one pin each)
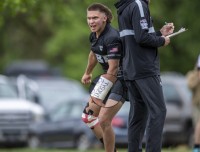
(127, 32)
(132, 32)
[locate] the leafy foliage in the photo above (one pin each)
(57, 31)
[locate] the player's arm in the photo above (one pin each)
(114, 55)
(113, 67)
(112, 70)
(92, 61)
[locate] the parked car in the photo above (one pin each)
(64, 128)
(48, 91)
(31, 68)
(178, 127)
(16, 115)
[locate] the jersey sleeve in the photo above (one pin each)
(142, 24)
(113, 47)
(91, 39)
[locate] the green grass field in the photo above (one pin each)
(178, 149)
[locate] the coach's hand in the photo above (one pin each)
(167, 40)
(167, 29)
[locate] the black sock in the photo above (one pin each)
(101, 140)
(196, 145)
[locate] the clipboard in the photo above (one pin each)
(177, 33)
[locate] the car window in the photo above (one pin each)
(66, 110)
(7, 91)
(76, 111)
(186, 92)
(170, 93)
(51, 93)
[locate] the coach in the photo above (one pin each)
(141, 69)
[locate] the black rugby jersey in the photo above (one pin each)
(107, 46)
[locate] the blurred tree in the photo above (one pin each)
(57, 31)
(182, 53)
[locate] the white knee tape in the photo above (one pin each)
(90, 120)
(102, 88)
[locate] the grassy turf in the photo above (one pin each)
(178, 149)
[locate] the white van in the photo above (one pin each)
(16, 114)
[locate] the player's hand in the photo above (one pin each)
(167, 29)
(86, 78)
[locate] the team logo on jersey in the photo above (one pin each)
(114, 50)
(160, 83)
(144, 24)
(101, 48)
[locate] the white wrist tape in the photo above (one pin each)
(102, 88)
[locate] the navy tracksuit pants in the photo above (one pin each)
(148, 111)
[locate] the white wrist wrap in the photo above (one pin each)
(102, 88)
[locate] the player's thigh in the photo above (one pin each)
(107, 114)
(117, 96)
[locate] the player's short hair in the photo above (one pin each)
(101, 8)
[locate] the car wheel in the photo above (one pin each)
(83, 142)
(33, 142)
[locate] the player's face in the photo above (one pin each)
(96, 21)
